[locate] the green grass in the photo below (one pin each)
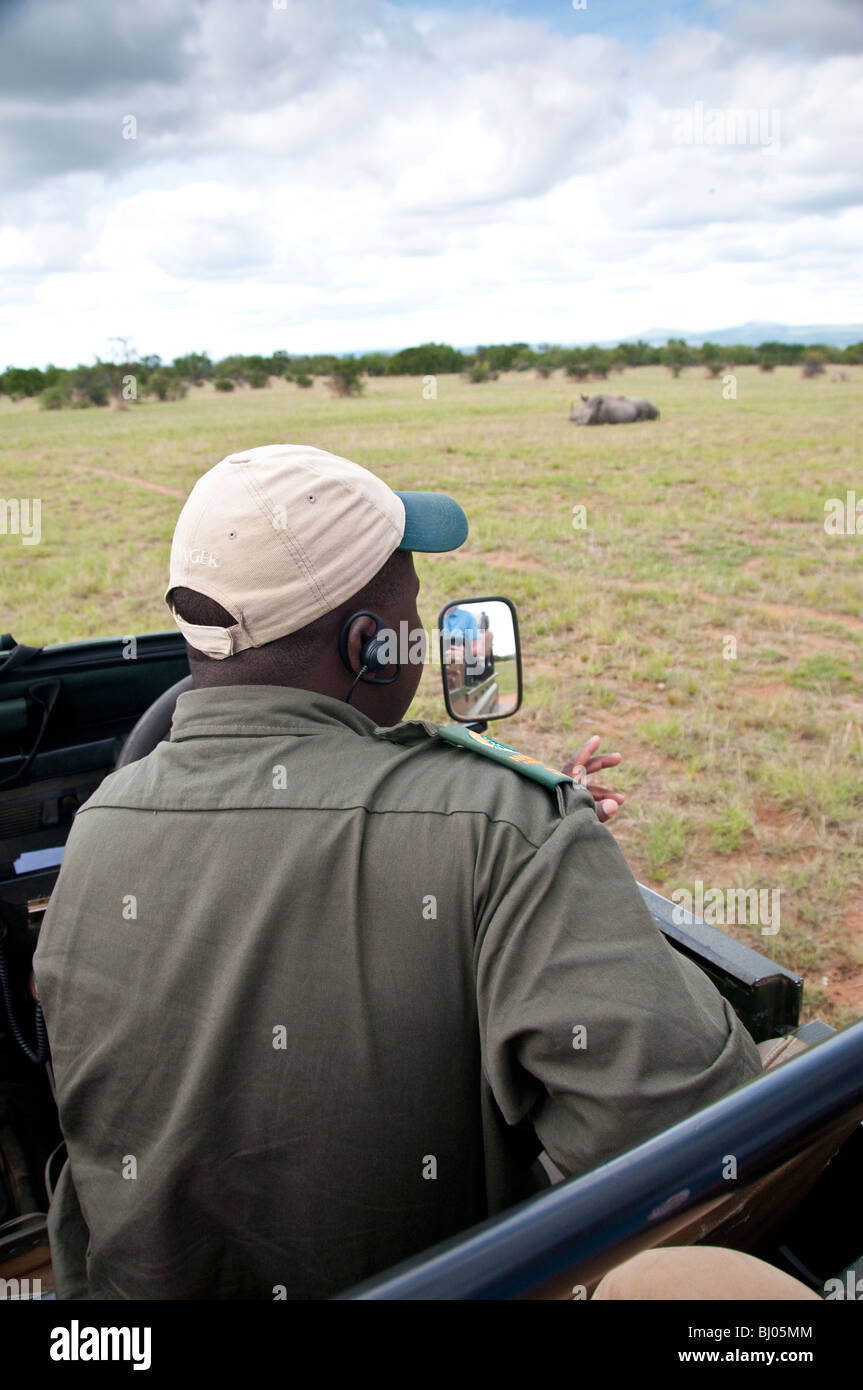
(823, 670)
(703, 622)
(727, 831)
(664, 842)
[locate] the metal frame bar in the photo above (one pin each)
(762, 1123)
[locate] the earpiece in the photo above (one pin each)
(372, 658)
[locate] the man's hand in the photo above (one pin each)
(586, 762)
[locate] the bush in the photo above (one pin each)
(166, 385)
(346, 378)
(22, 381)
(813, 364)
(223, 383)
(480, 371)
(304, 380)
(257, 378)
(55, 398)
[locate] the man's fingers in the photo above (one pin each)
(589, 758)
(606, 809)
(605, 793)
(586, 751)
(603, 760)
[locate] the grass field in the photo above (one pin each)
(742, 769)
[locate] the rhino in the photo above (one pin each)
(612, 410)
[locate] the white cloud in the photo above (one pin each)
(323, 178)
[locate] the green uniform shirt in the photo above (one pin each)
(318, 991)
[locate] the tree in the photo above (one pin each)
(576, 364)
(813, 363)
(194, 367)
(375, 363)
(429, 359)
(639, 354)
(346, 378)
(501, 357)
(711, 356)
(676, 355)
(769, 356)
(598, 361)
(233, 368)
(21, 381)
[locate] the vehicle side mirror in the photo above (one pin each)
(480, 659)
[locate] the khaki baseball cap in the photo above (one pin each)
(283, 534)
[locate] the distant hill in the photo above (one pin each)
(751, 334)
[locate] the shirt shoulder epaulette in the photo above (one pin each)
(538, 771)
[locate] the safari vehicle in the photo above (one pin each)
(773, 1168)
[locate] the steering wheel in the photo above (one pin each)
(153, 726)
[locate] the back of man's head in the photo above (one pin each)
(287, 560)
(302, 658)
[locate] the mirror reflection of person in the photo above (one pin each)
(466, 659)
(486, 646)
(337, 1026)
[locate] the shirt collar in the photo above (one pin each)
(251, 711)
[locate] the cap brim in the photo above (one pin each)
(433, 522)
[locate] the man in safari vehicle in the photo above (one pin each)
(320, 986)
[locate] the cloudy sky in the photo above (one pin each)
(319, 175)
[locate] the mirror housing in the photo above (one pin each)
(480, 657)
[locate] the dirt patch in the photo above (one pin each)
(509, 559)
(845, 989)
(773, 691)
(793, 613)
(135, 482)
(773, 819)
(790, 611)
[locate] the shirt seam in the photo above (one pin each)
(323, 810)
(231, 727)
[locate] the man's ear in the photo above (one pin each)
(359, 632)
